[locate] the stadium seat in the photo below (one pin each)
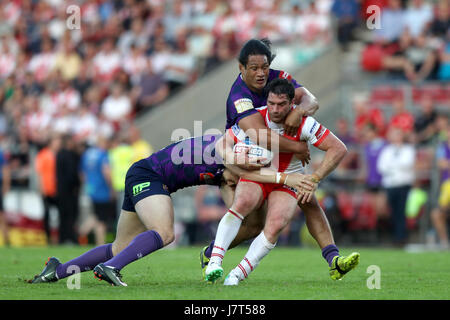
(385, 95)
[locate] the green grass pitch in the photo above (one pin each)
(285, 274)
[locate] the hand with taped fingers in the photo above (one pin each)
(306, 195)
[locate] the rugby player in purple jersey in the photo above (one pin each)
(146, 220)
(247, 93)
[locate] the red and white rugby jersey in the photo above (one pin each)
(310, 130)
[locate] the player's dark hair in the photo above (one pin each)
(280, 86)
(256, 47)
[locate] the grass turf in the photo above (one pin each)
(286, 274)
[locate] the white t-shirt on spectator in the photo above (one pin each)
(85, 125)
(7, 65)
(186, 62)
(64, 124)
(159, 61)
(106, 63)
(116, 109)
(42, 64)
(70, 98)
(396, 165)
(416, 19)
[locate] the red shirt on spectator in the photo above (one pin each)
(404, 121)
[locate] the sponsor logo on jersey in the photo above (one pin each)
(313, 127)
(290, 188)
(320, 132)
(139, 188)
(243, 104)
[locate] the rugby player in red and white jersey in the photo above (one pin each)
(281, 200)
(248, 93)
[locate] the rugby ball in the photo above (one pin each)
(254, 151)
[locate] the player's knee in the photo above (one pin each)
(244, 205)
(275, 225)
(167, 236)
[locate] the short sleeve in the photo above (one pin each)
(313, 131)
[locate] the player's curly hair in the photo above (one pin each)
(256, 47)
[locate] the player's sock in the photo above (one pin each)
(142, 245)
(259, 248)
(226, 232)
(208, 250)
(329, 252)
(87, 261)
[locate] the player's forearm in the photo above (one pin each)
(332, 158)
(255, 128)
(307, 104)
(271, 140)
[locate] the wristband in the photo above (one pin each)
(315, 178)
(281, 178)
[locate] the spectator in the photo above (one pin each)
(68, 62)
(365, 115)
(84, 80)
(137, 37)
(5, 178)
(152, 89)
(418, 17)
(425, 121)
(7, 62)
(443, 73)
(85, 125)
(392, 22)
(350, 161)
(422, 57)
(439, 215)
(135, 63)
(401, 118)
(441, 22)
(96, 175)
(176, 19)
(43, 63)
(45, 163)
(372, 147)
(181, 68)
(117, 106)
(141, 148)
(68, 188)
(347, 15)
(121, 156)
(396, 166)
(107, 62)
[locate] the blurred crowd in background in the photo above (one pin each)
(68, 98)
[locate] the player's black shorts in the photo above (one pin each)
(141, 182)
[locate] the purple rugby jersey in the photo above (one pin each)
(242, 101)
(188, 162)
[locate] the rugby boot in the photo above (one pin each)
(343, 264)
(213, 272)
(48, 274)
(109, 274)
(204, 260)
